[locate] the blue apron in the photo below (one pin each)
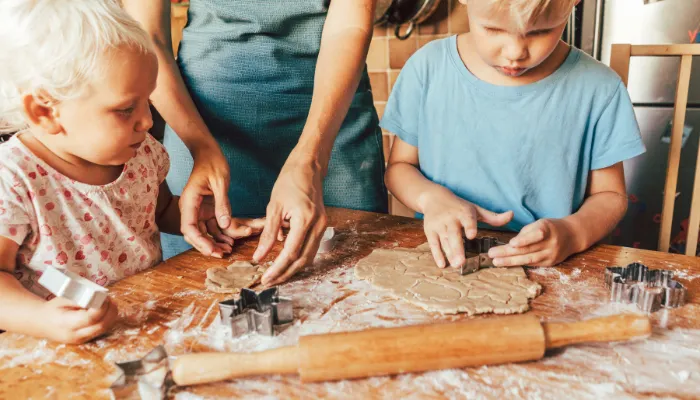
(249, 66)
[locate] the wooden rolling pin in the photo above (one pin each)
(385, 351)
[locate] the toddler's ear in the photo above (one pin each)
(41, 111)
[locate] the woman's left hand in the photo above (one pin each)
(543, 243)
(296, 199)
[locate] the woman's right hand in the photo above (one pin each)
(210, 178)
(446, 216)
(68, 323)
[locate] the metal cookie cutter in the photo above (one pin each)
(327, 241)
(254, 312)
(149, 377)
(69, 285)
(476, 251)
(649, 289)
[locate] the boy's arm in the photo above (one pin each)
(550, 241)
(603, 208)
(405, 181)
(18, 306)
(446, 215)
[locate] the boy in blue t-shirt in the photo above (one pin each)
(509, 126)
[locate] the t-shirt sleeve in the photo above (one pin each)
(159, 156)
(616, 135)
(402, 111)
(15, 221)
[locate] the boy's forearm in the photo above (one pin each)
(596, 218)
(410, 186)
(19, 307)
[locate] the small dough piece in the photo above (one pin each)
(231, 279)
(412, 275)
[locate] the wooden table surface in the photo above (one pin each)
(169, 305)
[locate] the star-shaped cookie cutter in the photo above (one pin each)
(476, 252)
(649, 289)
(256, 312)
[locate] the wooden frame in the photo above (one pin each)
(620, 63)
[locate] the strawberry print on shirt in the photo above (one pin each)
(101, 232)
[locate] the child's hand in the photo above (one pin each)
(237, 229)
(68, 323)
(543, 243)
(446, 217)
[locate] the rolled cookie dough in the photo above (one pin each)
(412, 275)
(231, 279)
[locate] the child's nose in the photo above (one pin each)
(145, 122)
(515, 50)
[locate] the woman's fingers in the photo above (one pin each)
(273, 221)
(190, 203)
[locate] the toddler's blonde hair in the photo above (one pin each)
(525, 12)
(56, 48)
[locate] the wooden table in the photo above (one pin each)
(168, 305)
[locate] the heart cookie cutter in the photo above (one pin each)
(649, 289)
(69, 285)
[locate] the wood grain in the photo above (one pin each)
(620, 63)
(162, 304)
(674, 152)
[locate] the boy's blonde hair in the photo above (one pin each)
(526, 12)
(56, 48)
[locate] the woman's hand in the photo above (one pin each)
(209, 181)
(297, 199)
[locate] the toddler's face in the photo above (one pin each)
(107, 124)
(501, 46)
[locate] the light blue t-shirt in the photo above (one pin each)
(523, 148)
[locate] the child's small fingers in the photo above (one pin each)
(238, 231)
(493, 218)
(224, 248)
(510, 251)
(111, 317)
(60, 302)
(434, 243)
(528, 237)
(215, 232)
(469, 222)
(94, 315)
(445, 245)
(255, 224)
(457, 257)
(520, 260)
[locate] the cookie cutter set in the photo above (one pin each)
(476, 252)
(256, 312)
(649, 289)
(150, 377)
(74, 287)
